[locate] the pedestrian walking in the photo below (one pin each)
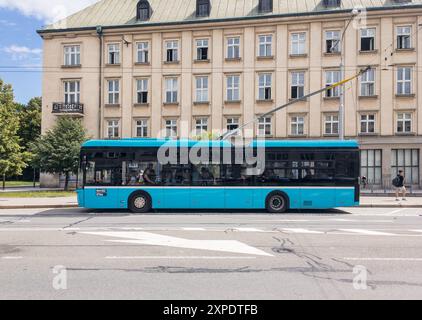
(399, 185)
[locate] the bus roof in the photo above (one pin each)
(145, 143)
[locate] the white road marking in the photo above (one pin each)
(175, 257)
(147, 238)
(12, 257)
(397, 211)
(384, 259)
(416, 230)
(248, 229)
(300, 230)
(193, 229)
(368, 232)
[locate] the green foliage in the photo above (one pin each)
(57, 152)
(206, 136)
(13, 158)
(30, 121)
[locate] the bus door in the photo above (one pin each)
(175, 180)
(207, 191)
(238, 191)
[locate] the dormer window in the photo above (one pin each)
(265, 6)
(332, 3)
(143, 11)
(203, 8)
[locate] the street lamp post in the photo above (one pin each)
(341, 113)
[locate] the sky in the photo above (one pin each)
(21, 46)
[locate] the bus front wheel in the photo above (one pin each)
(140, 202)
(277, 202)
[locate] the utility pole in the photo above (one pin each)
(341, 113)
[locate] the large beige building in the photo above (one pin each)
(179, 68)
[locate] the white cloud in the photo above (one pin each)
(19, 53)
(7, 23)
(47, 10)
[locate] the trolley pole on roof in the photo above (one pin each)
(340, 83)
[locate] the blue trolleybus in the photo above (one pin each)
(145, 174)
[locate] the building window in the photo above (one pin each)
(332, 41)
(367, 39)
(72, 55)
(232, 124)
(298, 85)
(298, 44)
(233, 48)
(264, 86)
(141, 127)
(203, 8)
(404, 122)
(72, 91)
(404, 37)
(404, 80)
(265, 45)
(371, 166)
(297, 125)
(408, 161)
(233, 92)
(113, 91)
(113, 129)
(171, 128)
(265, 127)
(172, 51)
(332, 3)
(265, 6)
(171, 90)
(367, 83)
(113, 54)
(367, 123)
(143, 52)
(332, 77)
(202, 49)
(142, 91)
(202, 89)
(143, 12)
(331, 124)
(201, 126)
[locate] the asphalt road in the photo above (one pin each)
(339, 254)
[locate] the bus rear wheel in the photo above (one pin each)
(277, 202)
(140, 202)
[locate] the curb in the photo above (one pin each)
(67, 206)
(389, 206)
(61, 206)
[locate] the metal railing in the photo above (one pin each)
(385, 186)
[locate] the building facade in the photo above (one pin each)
(183, 68)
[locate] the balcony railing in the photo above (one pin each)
(68, 108)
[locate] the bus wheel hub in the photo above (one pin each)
(140, 202)
(277, 203)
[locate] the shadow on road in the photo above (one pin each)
(80, 212)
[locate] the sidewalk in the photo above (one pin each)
(390, 202)
(38, 203)
(71, 202)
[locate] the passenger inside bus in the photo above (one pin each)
(149, 175)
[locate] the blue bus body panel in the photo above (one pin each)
(217, 198)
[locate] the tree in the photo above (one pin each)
(13, 158)
(57, 152)
(30, 121)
